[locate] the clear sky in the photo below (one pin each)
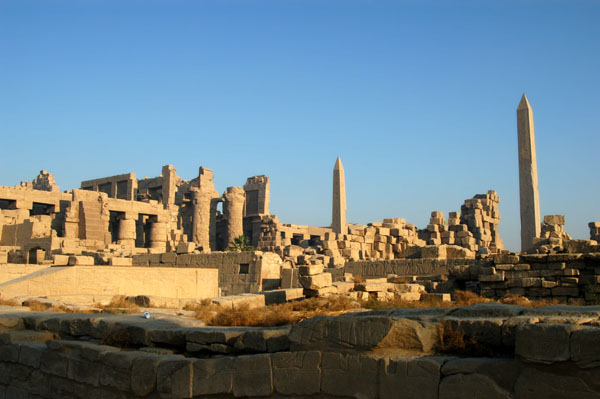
(418, 98)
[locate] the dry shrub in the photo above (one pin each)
(273, 315)
(467, 298)
(451, 340)
(536, 303)
(516, 300)
(358, 279)
(38, 306)
(8, 302)
(119, 304)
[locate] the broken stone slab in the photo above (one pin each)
(282, 295)
(320, 292)
(80, 260)
(408, 296)
(236, 301)
(315, 282)
(416, 288)
(343, 287)
(364, 332)
(310, 270)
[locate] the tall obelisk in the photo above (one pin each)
(528, 178)
(338, 222)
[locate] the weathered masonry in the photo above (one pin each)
(509, 351)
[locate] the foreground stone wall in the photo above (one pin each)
(522, 353)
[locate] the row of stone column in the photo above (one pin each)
(128, 233)
(205, 200)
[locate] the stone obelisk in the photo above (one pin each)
(338, 222)
(528, 178)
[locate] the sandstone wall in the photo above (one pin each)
(561, 276)
(549, 352)
(239, 272)
(115, 280)
(405, 267)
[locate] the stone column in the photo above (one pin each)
(168, 186)
(205, 200)
(338, 223)
(127, 230)
(233, 210)
(528, 179)
(204, 219)
(158, 236)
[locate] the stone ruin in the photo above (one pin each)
(168, 222)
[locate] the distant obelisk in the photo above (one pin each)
(338, 223)
(528, 178)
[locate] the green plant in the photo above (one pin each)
(240, 244)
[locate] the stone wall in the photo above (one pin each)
(530, 353)
(239, 272)
(405, 267)
(560, 276)
(114, 280)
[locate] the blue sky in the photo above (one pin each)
(418, 98)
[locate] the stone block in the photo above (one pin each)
(297, 373)
(547, 383)
(476, 385)
(84, 371)
(554, 220)
(80, 260)
(168, 258)
(409, 378)
(213, 376)
(174, 377)
(408, 296)
(252, 376)
(488, 278)
(543, 343)
(30, 354)
(315, 282)
(320, 292)
(310, 270)
(185, 247)
(60, 260)
(343, 287)
(143, 374)
(565, 291)
(116, 370)
(116, 261)
(54, 363)
(436, 297)
(584, 346)
(522, 267)
(349, 375)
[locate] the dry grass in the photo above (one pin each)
(272, 315)
(294, 312)
(38, 306)
(119, 304)
(8, 302)
(453, 341)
